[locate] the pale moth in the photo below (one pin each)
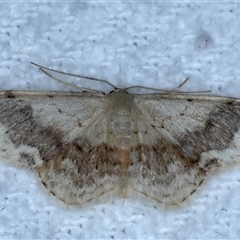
(86, 144)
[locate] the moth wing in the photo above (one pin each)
(61, 136)
(191, 137)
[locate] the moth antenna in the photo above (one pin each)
(72, 75)
(180, 85)
(147, 88)
(174, 90)
(69, 84)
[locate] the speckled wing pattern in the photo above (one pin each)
(84, 145)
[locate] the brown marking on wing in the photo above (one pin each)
(217, 134)
(163, 173)
(80, 172)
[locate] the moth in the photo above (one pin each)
(86, 144)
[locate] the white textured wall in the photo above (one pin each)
(151, 44)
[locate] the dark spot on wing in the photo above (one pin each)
(9, 94)
(44, 184)
(79, 123)
(50, 95)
